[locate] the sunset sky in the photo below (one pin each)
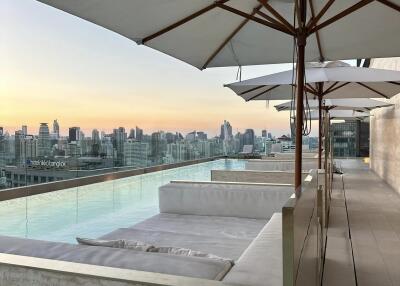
(57, 66)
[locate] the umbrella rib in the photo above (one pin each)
(329, 90)
(277, 15)
(182, 21)
(261, 93)
(390, 4)
(321, 56)
(272, 20)
(321, 13)
(311, 89)
(251, 89)
(253, 18)
(340, 15)
(394, 82)
(374, 90)
(220, 47)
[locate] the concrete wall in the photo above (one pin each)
(385, 134)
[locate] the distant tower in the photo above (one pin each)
(95, 136)
(56, 129)
(139, 134)
(44, 147)
(24, 130)
(74, 133)
(132, 133)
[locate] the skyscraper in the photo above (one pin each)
(135, 153)
(19, 136)
(156, 147)
(132, 134)
(139, 134)
(56, 129)
(74, 133)
(264, 133)
(24, 130)
(44, 147)
(119, 138)
(248, 137)
(226, 131)
(95, 136)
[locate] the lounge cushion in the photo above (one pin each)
(261, 263)
(120, 258)
(215, 226)
(242, 200)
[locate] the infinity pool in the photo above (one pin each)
(93, 210)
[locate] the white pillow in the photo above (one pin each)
(189, 252)
(117, 243)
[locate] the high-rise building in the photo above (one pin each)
(264, 133)
(156, 147)
(191, 136)
(248, 137)
(350, 139)
(56, 129)
(95, 136)
(119, 138)
(1, 132)
(226, 131)
(44, 146)
(170, 137)
(74, 133)
(96, 143)
(19, 136)
(24, 130)
(28, 148)
(131, 133)
(139, 134)
(201, 135)
(136, 153)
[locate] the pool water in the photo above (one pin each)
(94, 210)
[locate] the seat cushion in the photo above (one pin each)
(261, 263)
(215, 226)
(197, 267)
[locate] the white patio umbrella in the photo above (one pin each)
(208, 33)
(333, 80)
(356, 104)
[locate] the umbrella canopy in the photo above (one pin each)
(339, 80)
(356, 104)
(209, 33)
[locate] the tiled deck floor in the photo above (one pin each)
(364, 228)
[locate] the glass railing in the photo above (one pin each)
(96, 209)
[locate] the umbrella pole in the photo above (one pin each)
(301, 45)
(319, 127)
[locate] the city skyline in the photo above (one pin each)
(70, 71)
(64, 130)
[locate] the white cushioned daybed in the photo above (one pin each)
(228, 220)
